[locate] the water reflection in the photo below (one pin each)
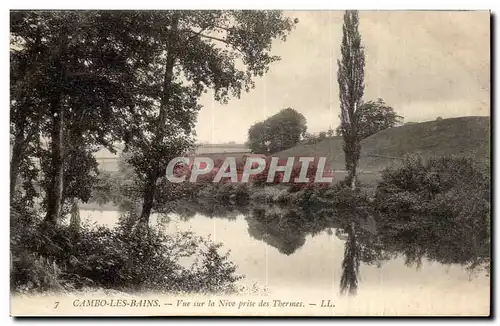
(350, 263)
(282, 229)
(368, 239)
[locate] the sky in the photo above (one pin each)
(424, 64)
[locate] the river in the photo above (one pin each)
(292, 259)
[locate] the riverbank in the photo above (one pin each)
(437, 210)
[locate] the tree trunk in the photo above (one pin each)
(15, 161)
(150, 188)
(55, 186)
(149, 194)
(353, 178)
(355, 143)
(56, 173)
(75, 220)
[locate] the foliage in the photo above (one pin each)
(430, 138)
(106, 188)
(372, 117)
(190, 52)
(120, 188)
(210, 273)
(68, 88)
(284, 220)
(85, 79)
(31, 272)
(114, 258)
(283, 130)
(235, 192)
(271, 194)
(350, 77)
(261, 178)
(438, 208)
(309, 138)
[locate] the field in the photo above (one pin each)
(464, 136)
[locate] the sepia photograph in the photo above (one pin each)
(250, 163)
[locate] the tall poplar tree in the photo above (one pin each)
(350, 77)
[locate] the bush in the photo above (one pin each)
(261, 178)
(269, 194)
(439, 208)
(56, 259)
(422, 186)
(31, 272)
(210, 273)
(237, 192)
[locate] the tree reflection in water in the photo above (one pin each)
(350, 263)
(366, 242)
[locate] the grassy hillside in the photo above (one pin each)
(465, 136)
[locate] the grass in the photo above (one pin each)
(464, 136)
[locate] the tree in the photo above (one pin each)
(258, 138)
(309, 138)
(190, 52)
(283, 130)
(350, 77)
(374, 116)
(103, 76)
(70, 86)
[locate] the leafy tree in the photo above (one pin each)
(309, 138)
(189, 52)
(27, 105)
(375, 116)
(372, 117)
(350, 77)
(70, 86)
(258, 138)
(144, 70)
(283, 130)
(287, 127)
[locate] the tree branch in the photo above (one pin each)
(223, 41)
(196, 33)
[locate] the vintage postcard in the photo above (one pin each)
(250, 163)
